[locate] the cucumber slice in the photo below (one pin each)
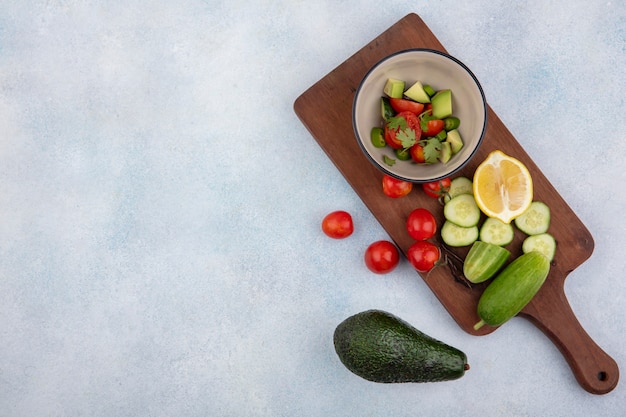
(394, 88)
(442, 104)
(458, 236)
(446, 152)
(483, 261)
(377, 137)
(456, 142)
(416, 93)
(535, 220)
(543, 243)
(458, 186)
(496, 232)
(462, 211)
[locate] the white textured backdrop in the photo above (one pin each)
(160, 202)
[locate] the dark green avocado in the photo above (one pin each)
(381, 347)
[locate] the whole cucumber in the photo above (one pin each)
(512, 289)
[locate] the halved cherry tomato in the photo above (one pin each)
(401, 105)
(338, 224)
(433, 127)
(381, 257)
(417, 153)
(421, 224)
(395, 188)
(437, 189)
(412, 123)
(423, 255)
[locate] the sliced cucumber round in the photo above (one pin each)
(496, 232)
(457, 236)
(535, 220)
(459, 185)
(462, 211)
(543, 243)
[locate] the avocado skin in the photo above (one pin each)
(381, 347)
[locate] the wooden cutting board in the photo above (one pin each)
(325, 109)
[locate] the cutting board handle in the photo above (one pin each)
(593, 368)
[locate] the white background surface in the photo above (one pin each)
(160, 207)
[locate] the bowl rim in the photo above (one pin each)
(405, 51)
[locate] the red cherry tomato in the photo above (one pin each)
(381, 257)
(395, 188)
(437, 189)
(423, 255)
(421, 224)
(412, 122)
(338, 224)
(417, 153)
(401, 104)
(433, 127)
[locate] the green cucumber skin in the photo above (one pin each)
(483, 261)
(512, 289)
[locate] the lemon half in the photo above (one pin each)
(503, 187)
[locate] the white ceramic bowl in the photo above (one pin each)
(439, 70)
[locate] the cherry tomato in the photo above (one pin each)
(417, 153)
(433, 127)
(412, 123)
(338, 224)
(437, 189)
(423, 255)
(401, 105)
(381, 257)
(421, 224)
(395, 188)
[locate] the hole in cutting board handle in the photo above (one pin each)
(602, 376)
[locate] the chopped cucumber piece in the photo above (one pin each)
(535, 220)
(394, 88)
(483, 261)
(442, 104)
(457, 236)
(462, 211)
(446, 153)
(543, 243)
(496, 232)
(377, 137)
(386, 111)
(417, 93)
(454, 137)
